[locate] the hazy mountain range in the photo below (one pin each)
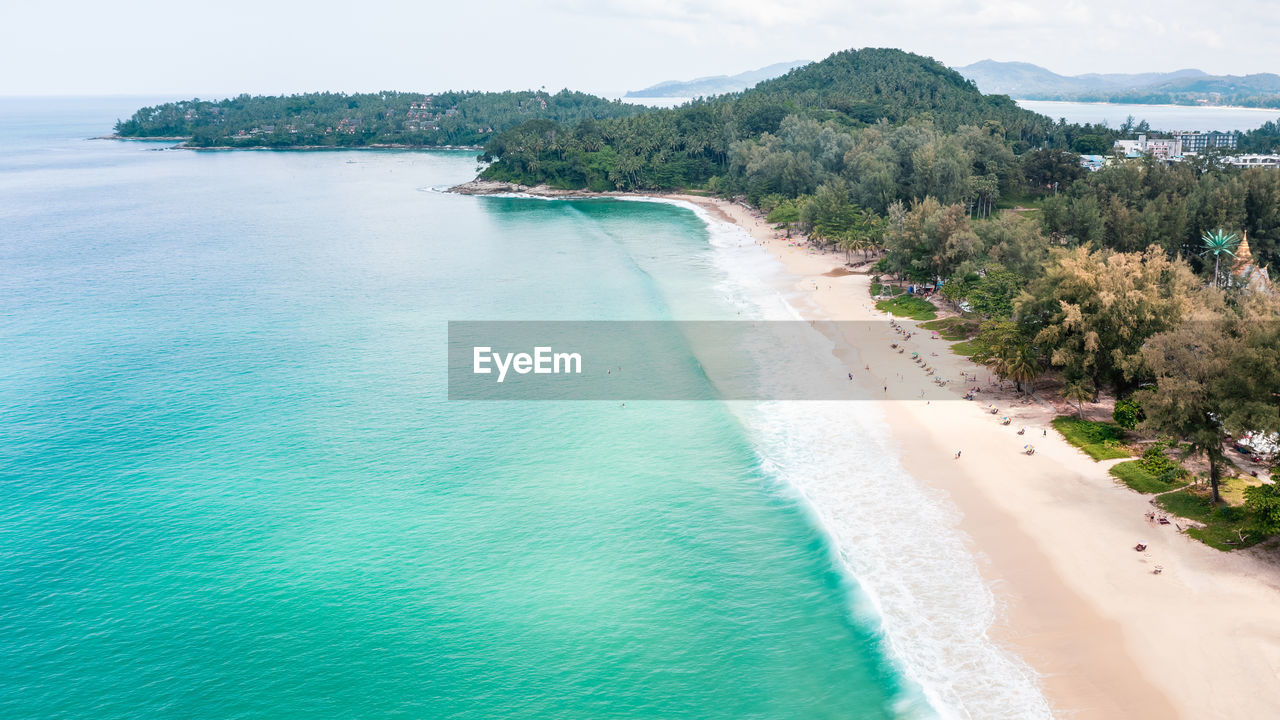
(717, 84)
(1032, 82)
(1185, 87)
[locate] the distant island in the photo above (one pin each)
(716, 84)
(1180, 87)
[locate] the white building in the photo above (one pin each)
(1161, 148)
(1251, 161)
(1197, 141)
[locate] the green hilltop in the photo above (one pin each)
(691, 145)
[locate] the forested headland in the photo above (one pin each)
(360, 120)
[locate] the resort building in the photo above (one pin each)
(1162, 148)
(1196, 141)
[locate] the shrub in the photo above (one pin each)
(1128, 413)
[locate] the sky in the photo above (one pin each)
(146, 47)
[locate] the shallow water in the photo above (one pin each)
(231, 485)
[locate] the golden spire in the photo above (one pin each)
(1243, 256)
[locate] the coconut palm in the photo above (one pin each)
(1079, 391)
(1022, 365)
(1216, 244)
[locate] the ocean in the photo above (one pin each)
(232, 485)
(1159, 117)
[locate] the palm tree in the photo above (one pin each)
(1216, 243)
(1079, 391)
(1022, 364)
(848, 245)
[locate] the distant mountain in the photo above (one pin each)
(717, 84)
(1019, 79)
(1183, 87)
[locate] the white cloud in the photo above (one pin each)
(77, 46)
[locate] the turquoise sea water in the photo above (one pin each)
(231, 487)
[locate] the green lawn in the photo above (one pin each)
(1132, 473)
(1100, 440)
(952, 328)
(909, 306)
(964, 349)
(1031, 202)
(1221, 522)
(878, 289)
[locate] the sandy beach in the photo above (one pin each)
(1055, 534)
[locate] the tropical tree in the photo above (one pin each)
(1079, 392)
(1008, 350)
(1215, 374)
(1095, 309)
(1217, 244)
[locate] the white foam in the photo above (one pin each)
(897, 538)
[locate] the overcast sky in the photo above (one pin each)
(148, 47)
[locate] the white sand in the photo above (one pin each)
(1055, 536)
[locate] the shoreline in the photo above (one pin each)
(1168, 105)
(1054, 536)
(182, 140)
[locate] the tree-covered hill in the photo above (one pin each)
(879, 83)
(797, 130)
(340, 120)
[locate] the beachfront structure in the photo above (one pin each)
(1196, 141)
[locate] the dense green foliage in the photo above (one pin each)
(1215, 374)
(339, 120)
(896, 112)
(1152, 473)
(1264, 139)
(1263, 502)
(1138, 479)
(1131, 206)
(1127, 413)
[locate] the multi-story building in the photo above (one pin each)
(1197, 141)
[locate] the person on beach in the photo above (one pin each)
(957, 454)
